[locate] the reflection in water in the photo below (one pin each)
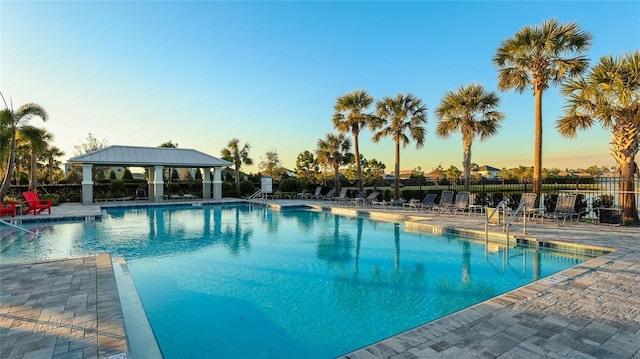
(466, 262)
(235, 236)
(335, 247)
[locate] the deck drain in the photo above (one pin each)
(555, 279)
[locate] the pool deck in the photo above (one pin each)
(80, 307)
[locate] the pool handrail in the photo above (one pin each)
(18, 227)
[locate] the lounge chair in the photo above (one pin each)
(369, 199)
(317, 194)
(426, 203)
(301, 195)
(329, 195)
(141, 195)
(342, 196)
(175, 196)
(35, 204)
(189, 196)
(360, 197)
(8, 209)
(461, 203)
(565, 208)
(529, 201)
(446, 201)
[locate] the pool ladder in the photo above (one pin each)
(501, 208)
(2, 221)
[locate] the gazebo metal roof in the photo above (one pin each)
(149, 156)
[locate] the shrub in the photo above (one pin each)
(289, 185)
(246, 187)
(116, 188)
(605, 200)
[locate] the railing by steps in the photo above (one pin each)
(2, 221)
(501, 209)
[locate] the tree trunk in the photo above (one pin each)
(336, 179)
(466, 159)
(33, 178)
(396, 190)
(356, 148)
(537, 150)
(237, 175)
(624, 147)
(6, 182)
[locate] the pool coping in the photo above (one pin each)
(482, 329)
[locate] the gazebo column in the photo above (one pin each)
(87, 184)
(158, 193)
(206, 182)
(217, 183)
(150, 182)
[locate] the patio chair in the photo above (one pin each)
(317, 194)
(426, 203)
(529, 200)
(329, 195)
(565, 208)
(35, 204)
(360, 197)
(369, 199)
(461, 203)
(342, 196)
(8, 209)
(302, 194)
(446, 201)
(141, 195)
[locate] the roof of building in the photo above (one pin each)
(487, 168)
(148, 156)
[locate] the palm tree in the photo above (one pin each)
(470, 110)
(12, 120)
(334, 151)
(535, 58)
(610, 94)
(38, 139)
(395, 116)
(350, 117)
(51, 154)
(238, 156)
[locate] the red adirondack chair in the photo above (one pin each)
(35, 204)
(8, 209)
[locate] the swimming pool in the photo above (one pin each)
(237, 281)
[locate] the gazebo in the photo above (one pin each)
(154, 159)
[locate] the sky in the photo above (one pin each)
(201, 73)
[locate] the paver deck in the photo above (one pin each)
(70, 308)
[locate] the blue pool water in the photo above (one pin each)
(244, 282)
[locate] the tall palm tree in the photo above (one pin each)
(334, 151)
(51, 154)
(395, 116)
(238, 156)
(38, 139)
(610, 94)
(537, 57)
(12, 120)
(350, 116)
(470, 110)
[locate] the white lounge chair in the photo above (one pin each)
(461, 203)
(426, 203)
(342, 196)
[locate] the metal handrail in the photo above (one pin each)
(256, 194)
(18, 227)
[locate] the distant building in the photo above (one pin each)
(488, 172)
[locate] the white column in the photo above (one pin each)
(158, 184)
(87, 184)
(217, 183)
(206, 182)
(150, 182)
